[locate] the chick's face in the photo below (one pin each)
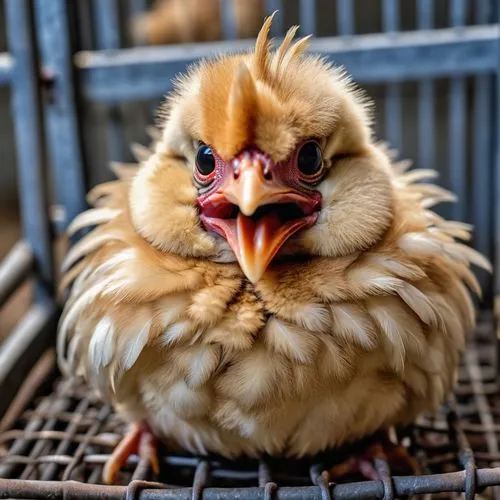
(280, 157)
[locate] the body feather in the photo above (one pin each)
(377, 335)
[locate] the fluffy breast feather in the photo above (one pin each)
(215, 363)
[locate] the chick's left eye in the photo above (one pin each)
(205, 161)
(309, 159)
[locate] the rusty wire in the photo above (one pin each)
(59, 441)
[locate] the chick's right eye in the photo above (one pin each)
(205, 161)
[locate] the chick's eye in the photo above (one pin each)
(309, 160)
(205, 161)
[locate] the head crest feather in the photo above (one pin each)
(266, 64)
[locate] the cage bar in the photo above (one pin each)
(457, 125)
(5, 68)
(106, 21)
(458, 12)
(137, 6)
(273, 6)
(228, 19)
(60, 106)
(26, 109)
(390, 15)
(345, 17)
(425, 14)
(426, 121)
(496, 179)
(393, 102)
(483, 116)
(307, 11)
(453, 482)
(426, 126)
(21, 349)
(14, 269)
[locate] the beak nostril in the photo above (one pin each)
(268, 174)
(236, 169)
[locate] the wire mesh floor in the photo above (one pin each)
(57, 436)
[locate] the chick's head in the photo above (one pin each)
(264, 155)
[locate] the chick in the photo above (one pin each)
(181, 21)
(268, 280)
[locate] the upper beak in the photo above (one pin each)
(256, 236)
(249, 188)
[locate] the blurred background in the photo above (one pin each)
(441, 122)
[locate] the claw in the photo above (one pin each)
(364, 464)
(138, 440)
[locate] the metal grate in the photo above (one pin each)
(67, 434)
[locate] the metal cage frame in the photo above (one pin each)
(49, 82)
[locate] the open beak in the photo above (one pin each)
(260, 213)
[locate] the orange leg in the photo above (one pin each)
(138, 440)
(365, 464)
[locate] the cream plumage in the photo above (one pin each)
(354, 326)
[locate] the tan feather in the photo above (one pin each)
(420, 304)
(295, 51)
(261, 58)
(92, 217)
(420, 245)
(87, 245)
(101, 344)
(468, 254)
(290, 340)
(417, 175)
(100, 191)
(154, 133)
(399, 167)
(124, 171)
(283, 48)
(141, 153)
(352, 324)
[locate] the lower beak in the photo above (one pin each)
(256, 242)
(257, 234)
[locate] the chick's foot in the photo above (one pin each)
(371, 463)
(138, 440)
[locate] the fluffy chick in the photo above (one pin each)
(356, 323)
(181, 21)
